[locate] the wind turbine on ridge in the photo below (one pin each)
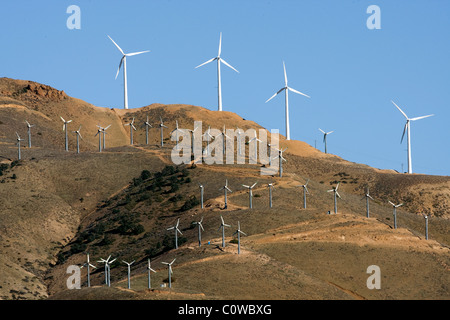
(286, 88)
(123, 61)
(325, 134)
(29, 126)
(77, 132)
(65, 129)
(219, 82)
(407, 129)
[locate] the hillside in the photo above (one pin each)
(58, 205)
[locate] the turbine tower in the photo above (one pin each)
(78, 138)
(271, 187)
(286, 89)
(238, 232)
(225, 189)
(175, 227)
(104, 135)
(99, 134)
(305, 191)
(18, 145)
(123, 61)
(280, 161)
(255, 138)
(407, 129)
(219, 82)
(162, 126)
(169, 265)
(222, 226)
(367, 196)
(131, 124)
(224, 136)
(149, 268)
(200, 228)
(209, 137)
(107, 269)
(65, 129)
(147, 125)
(336, 193)
(88, 265)
(29, 132)
(129, 271)
(325, 138)
(201, 194)
(250, 194)
(176, 135)
(395, 212)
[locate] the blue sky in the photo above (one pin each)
(351, 73)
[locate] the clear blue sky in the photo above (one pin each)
(350, 72)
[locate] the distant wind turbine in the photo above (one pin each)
(407, 129)
(88, 265)
(131, 124)
(162, 126)
(367, 196)
(18, 145)
(336, 193)
(123, 61)
(238, 232)
(225, 189)
(29, 126)
(395, 206)
(99, 134)
(104, 135)
(256, 140)
(176, 130)
(129, 271)
(175, 228)
(78, 133)
(250, 193)
(169, 265)
(280, 159)
(305, 191)
(219, 83)
(271, 187)
(325, 138)
(65, 129)
(208, 137)
(286, 88)
(222, 226)
(147, 126)
(149, 268)
(201, 194)
(200, 228)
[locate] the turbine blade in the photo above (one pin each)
(400, 109)
(275, 94)
(229, 65)
(254, 184)
(404, 130)
(322, 131)
(418, 118)
(116, 45)
(120, 65)
(293, 90)
(220, 45)
(210, 60)
(136, 53)
(285, 75)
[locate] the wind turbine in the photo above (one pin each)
(147, 125)
(223, 134)
(131, 124)
(104, 135)
(129, 271)
(65, 129)
(336, 193)
(149, 268)
(209, 137)
(271, 187)
(88, 265)
(225, 189)
(426, 226)
(29, 132)
(78, 138)
(123, 61)
(201, 194)
(175, 227)
(305, 191)
(238, 232)
(255, 138)
(200, 228)
(395, 212)
(367, 196)
(286, 89)
(99, 134)
(169, 265)
(280, 159)
(18, 145)
(222, 226)
(176, 134)
(250, 194)
(192, 139)
(107, 269)
(407, 129)
(162, 126)
(219, 60)
(325, 138)
(239, 132)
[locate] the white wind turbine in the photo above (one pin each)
(147, 125)
(208, 137)
(222, 226)
(407, 129)
(238, 232)
(325, 138)
(367, 196)
(271, 187)
(250, 194)
(149, 268)
(104, 135)
(107, 263)
(99, 134)
(175, 228)
(65, 129)
(280, 160)
(305, 191)
(192, 139)
(162, 126)
(286, 88)
(256, 140)
(224, 136)
(129, 271)
(336, 193)
(78, 133)
(29, 126)
(131, 124)
(225, 189)
(18, 145)
(200, 228)
(219, 60)
(395, 212)
(169, 265)
(123, 61)
(88, 265)
(201, 194)
(239, 132)
(176, 130)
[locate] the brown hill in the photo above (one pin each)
(57, 205)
